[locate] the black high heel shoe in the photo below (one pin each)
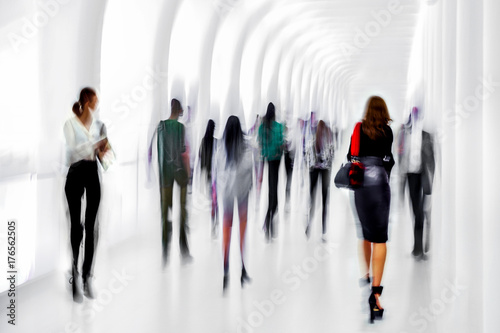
(244, 277)
(375, 311)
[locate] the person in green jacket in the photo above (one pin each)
(271, 141)
(173, 163)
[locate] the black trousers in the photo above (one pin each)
(82, 176)
(274, 167)
(417, 202)
(181, 178)
(325, 186)
(288, 169)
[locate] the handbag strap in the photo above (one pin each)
(355, 140)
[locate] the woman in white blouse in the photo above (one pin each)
(85, 141)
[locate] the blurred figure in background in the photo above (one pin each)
(373, 199)
(417, 164)
(207, 152)
(271, 141)
(320, 157)
(189, 137)
(300, 147)
(257, 158)
(289, 158)
(173, 162)
(86, 140)
(234, 179)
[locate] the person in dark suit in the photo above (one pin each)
(417, 165)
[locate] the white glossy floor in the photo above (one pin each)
(298, 285)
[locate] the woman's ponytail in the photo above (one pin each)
(76, 109)
(85, 96)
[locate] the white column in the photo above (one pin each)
(446, 142)
(469, 150)
(490, 162)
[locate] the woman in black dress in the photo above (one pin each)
(373, 199)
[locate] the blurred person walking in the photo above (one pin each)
(372, 200)
(207, 152)
(234, 178)
(319, 158)
(271, 141)
(257, 158)
(173, 162)
(289, 159)
(86, 141)
(416, 164)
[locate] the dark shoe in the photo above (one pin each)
(164, 256)
(416, 253)
(187, 259)
(423, 257)
(75, 282)
(225, 283)
(88, 289)
(215, 229)
(267, 231)
(265, 226)
(364, 281)
(308, 232)
(244, 277)
(324, 238)
(375, 311)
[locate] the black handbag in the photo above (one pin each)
(351, 174)
(342, 177)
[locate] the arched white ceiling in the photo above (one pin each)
(296, 51)
(227, 57)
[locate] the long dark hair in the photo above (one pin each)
(323, 135)
(376, 117)
(268, 120)
(270, 115)
(233, 140)
(207, 144)
(86, 95)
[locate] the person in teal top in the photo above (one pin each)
(271, 141)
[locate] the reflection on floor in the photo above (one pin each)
(298, 285)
